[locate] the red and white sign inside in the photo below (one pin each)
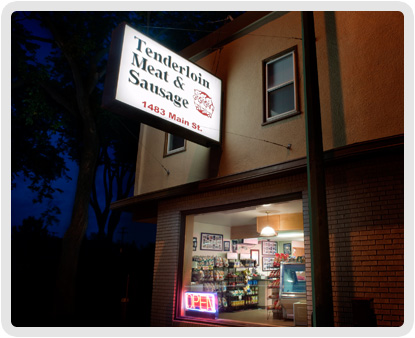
(175, 94)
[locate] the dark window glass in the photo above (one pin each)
(280, 87)
(175, 142)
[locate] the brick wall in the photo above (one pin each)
(365, 217)
(365, 204)
(166, 258)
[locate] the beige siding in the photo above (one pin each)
(361, 75)
(360, 64)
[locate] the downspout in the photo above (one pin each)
(319, 236)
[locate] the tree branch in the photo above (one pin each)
(58, 98)
(95, 75)
(75, 69)
(33, 37)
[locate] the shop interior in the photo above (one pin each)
(258, 276)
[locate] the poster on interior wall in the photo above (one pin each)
(287, 248)
(267, 263)
(269, 248)
(213, 242)
(194, 243)
(255, 256)
(234, 245)
(227, 245)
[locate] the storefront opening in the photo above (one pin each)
(255, 280)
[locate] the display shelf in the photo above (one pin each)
(232, 285)
(240, 293)
(273, 292)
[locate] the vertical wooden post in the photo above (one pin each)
(319, 237)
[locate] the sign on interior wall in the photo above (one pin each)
(269, 247)
(148, 82)
(212, 242)
(267, 263)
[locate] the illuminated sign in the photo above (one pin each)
(147, 81)
(201, 304)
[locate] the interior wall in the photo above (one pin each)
(211, 229)
(228, 235)
(298, 248)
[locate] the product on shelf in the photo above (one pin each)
(273, 304)
(277, 305)
(274, 274)
(236, 303)
(231, 275)
(235, 263)
(275, 284)
(248, 263)
(247, 275)
(251, 300)
(197, 275)
(254, 290)
(236, 293)
(218, 261)
(230, 278)
(208, 287)
(280, 257)
(219, 275)
(204, 262)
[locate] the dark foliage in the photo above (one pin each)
(58, 68)
(102, 279)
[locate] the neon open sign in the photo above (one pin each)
(201, 302)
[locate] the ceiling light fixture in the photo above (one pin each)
(290, 234)
(267, 231)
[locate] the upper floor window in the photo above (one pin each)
(174, 144)
(280, 87)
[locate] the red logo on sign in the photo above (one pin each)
(203, 103)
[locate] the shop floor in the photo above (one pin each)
(257, 316)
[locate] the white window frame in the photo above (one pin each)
(167, 151)
(267, 90)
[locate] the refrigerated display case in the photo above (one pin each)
(292, 286)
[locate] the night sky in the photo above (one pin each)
(22, 197)
(22, 207)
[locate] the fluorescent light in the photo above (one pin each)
(290, 234)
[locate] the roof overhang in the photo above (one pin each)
(242, 25)
(144, 206)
